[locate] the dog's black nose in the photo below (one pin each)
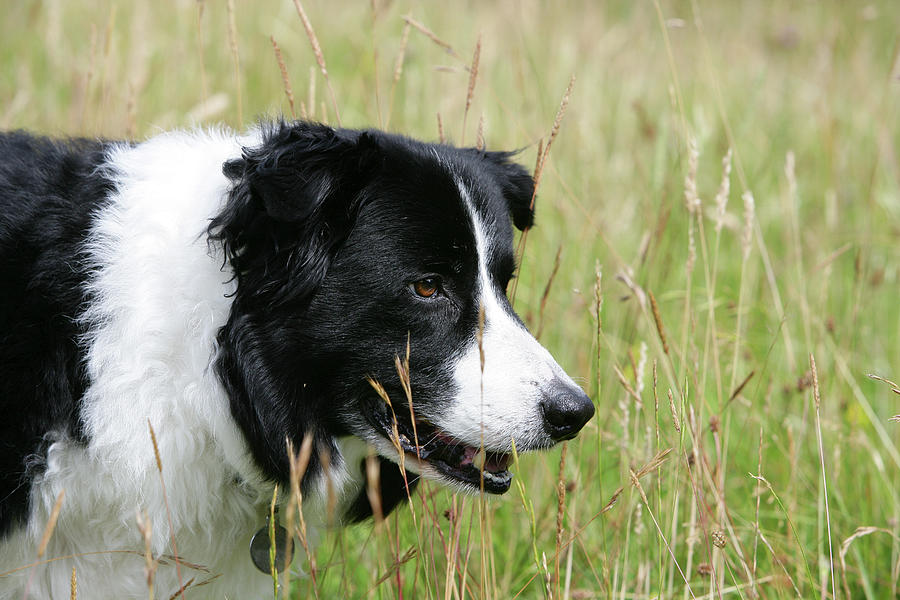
(566, 410)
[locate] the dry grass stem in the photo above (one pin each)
(294, 499)
(104, 67)
(740, 387)
(16, 105)
(479, 137)
(845, 548)
(286, 82)
(757, 492)
(894, 387)
(204, 86)
(375, 69)
(655, 463)
(538, 157)
(479, 335)
(543, 154)
(612, 501)
(567, 587)
(189, 583)
(403, 372)
(790, 522)
(320, 58)
(311, 94)
(482, 500)
(817, 399)
(470, 91)
(162, 483)
(790, 174)
(636, 482)
(546, 294)
(373, 485)
(398, 64)
(89, 77)
(625, 384)
(410, 553)
(560, 511)
(657, 319)
(676, 422)
(777, 558)
(430, 35)
(398, 68)
(480, 338)
(272, 548)
(73, 586)
(640, 368)
(51, 524)
(298, 465)
(557, 122)
(145, 526)
(235, 57)
(394, 438)
(633, 287)
(598, 306)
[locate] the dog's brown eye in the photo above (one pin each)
(427, 287)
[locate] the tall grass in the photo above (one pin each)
(731, 168)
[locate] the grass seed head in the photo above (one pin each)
(749, 216)
(676, 422)
(724, 189)
(691, 198)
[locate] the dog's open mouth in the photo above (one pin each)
(450, 457)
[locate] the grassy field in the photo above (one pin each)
(724, 187)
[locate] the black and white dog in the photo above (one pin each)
(238, 292)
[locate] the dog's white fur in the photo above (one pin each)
(159, 300)
(497, 403)
(500, 401)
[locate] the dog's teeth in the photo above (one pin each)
(497, 477)
(478, 459)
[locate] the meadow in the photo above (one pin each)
(716, 260)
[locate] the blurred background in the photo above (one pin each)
(723, 185)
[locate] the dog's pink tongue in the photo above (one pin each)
(492, 462)
(468, 456)
(497, 462)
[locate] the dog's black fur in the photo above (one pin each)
(247, 295)
(48, 193)
(323, 230)
(313, 201)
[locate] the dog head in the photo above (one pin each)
(354, 250)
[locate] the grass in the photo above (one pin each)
(716, 292)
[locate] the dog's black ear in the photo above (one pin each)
(291, 204)
(299, 167)
(517, 186)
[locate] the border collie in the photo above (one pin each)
(240, 293)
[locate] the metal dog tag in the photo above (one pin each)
(260, 544)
